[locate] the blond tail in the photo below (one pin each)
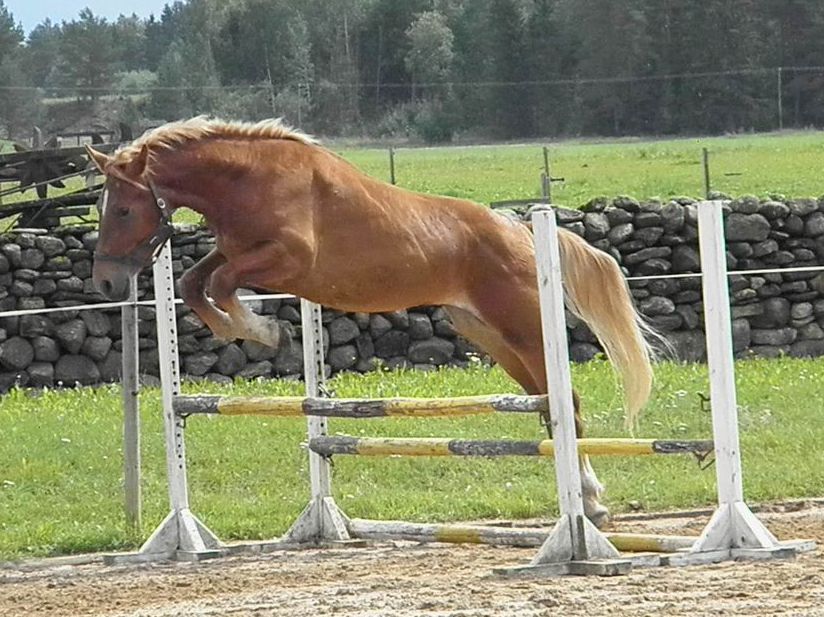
(597, 292)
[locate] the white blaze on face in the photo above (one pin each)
(104, 200)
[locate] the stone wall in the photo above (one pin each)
(774, 313)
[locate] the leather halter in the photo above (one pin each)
(146, 252)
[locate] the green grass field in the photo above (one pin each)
(788, 164)
(60, 458)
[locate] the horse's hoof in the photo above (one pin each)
(599, 516)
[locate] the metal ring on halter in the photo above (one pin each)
(147, 252)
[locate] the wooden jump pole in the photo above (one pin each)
(358, 408)
(504, 536)
(444, 446)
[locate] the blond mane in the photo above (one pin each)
(202, 127)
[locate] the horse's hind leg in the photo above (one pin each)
(509, 317)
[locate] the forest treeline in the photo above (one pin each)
(428, 69)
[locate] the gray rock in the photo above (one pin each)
(365, 346)
(666, 323)
(741, 334)
(256, 352)
(12, 253)
(583, 352)
(342, 330)
(776, 314)
(432, 351)
(111, 368)
(398, 319)
(689, 317)
(656, 305)
(97, 323)
(75, 369)
(444, 328)
(618, 216)
(21, 289)
(4, 264)
(257, 370)
(378, 326)
(649, 235)
(746, 227)
(71, 335)
(646, 254)
(230, 360)
(45, 349)
(31, 258)
(747, 310)
(740, 250)
(420, 327)
(803, 207)
(773, 210)
(44, 287)
(794, 225)
(768, 351)
(685, 259)
(688, 346)
(343, 358)
(801, 310)
(653, 267)
(218, 379)
(189, 343)
(393, 343)
(810, 331)
(41, 374)
(764, 248)
(71, 283)
(673, 217)
(565, 216)
(596, 225)
(289, 313)
(82, 269)
(96, 347)
(775, 337)
(31, 326)
(188, 324)
(50, 246)
(620, 233)
(362, 319)
(16, 353)
(625, 202)
(807, 349)
(648, 219)
(289, 359)
(199, 363)
(746, 204)
(814, 225)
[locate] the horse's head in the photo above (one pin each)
(134, 222)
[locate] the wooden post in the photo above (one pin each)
(706, 155)
(391, 165)
(131, 409)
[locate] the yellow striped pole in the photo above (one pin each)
(358, 408)
(444, 446)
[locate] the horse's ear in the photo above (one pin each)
(100, 159)
(136, 167)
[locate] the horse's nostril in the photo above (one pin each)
(106, 288)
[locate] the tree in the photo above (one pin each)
(88, 54)
(11, 33)
(430, 55)
(508, 69)
(168, 101)
(129, 35)
(20, 103)
(42, 51)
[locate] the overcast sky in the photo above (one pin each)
(32, 12)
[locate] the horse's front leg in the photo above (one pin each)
(193, 293)
(253, 268)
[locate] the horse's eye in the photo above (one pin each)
(122, 212)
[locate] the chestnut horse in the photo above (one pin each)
(291, 216)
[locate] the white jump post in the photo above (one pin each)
(321, 520)
(575, 545)
(181, 535)
(733, 529)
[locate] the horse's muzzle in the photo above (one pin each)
(111, 283)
